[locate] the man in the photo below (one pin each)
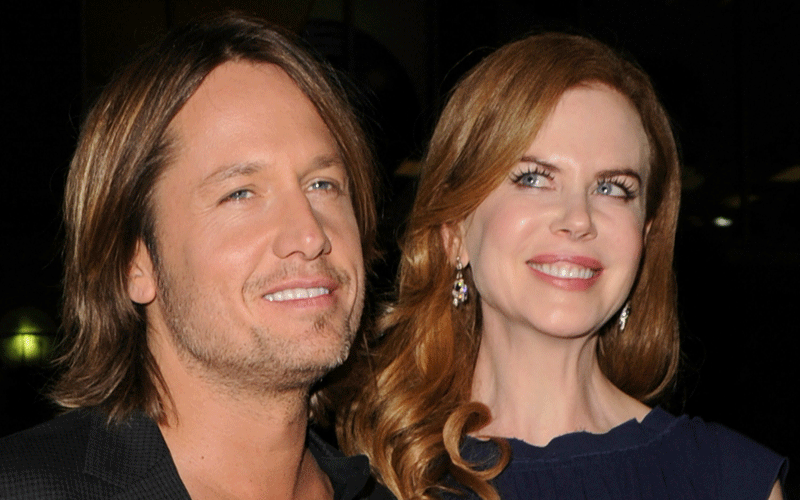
(215, 211)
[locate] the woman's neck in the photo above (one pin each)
(539, 387)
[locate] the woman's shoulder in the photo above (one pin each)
(736, 459)
(663, 456)
(708, 438)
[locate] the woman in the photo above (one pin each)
(535, 323)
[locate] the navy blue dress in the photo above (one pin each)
(663, 457)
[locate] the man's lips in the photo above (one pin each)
(301, 289)
(296, 293)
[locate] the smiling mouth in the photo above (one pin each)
(564, 270)
(296, 293)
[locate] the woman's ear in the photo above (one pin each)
(141, 276)
(453, 241)
(646, 230)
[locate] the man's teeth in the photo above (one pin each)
(296, 293)
(565, 270)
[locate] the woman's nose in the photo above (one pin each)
(574, 218)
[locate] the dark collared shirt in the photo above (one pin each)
(77, 456)
(350, 476)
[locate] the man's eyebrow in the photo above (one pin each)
(328, 160)
(227, 171)
(246, 169)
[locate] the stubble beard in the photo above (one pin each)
(265, 363)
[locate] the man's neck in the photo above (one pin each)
(237, 445)
(238, 458)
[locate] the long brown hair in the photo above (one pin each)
(412, 419)
(124, 146)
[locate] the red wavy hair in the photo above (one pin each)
(411, 416)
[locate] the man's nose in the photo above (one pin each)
(300, 230)
(573, 217)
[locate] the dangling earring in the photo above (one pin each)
(460, 288)
(624, 315)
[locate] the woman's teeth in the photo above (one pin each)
(563, 270)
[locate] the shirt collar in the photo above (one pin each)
(348, 475)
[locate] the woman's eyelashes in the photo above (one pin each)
(534, 177)
(622, 186)
(618, 187)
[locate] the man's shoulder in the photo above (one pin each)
(45, 458)
(80, 455)
(60, 440)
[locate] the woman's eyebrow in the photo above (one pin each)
(538, 161)
(628, 172)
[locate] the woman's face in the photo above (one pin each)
(556, 247)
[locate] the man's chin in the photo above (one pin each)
(304, 369)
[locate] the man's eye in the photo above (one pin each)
(324, 185)
(240, 194)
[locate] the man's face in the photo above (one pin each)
(260, 278)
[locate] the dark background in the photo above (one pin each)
(727, 72)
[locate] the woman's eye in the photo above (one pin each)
(531, 179)
(609, 188)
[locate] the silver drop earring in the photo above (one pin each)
(624, 315)
(460, 288)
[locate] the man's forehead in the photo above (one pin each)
(248, 117)
(244, 83)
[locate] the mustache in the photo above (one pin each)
(259, 283)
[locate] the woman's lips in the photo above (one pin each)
(568, 272)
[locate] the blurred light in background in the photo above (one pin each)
(26, 348)
(26, 335)
(723, 222)
(790, 174)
